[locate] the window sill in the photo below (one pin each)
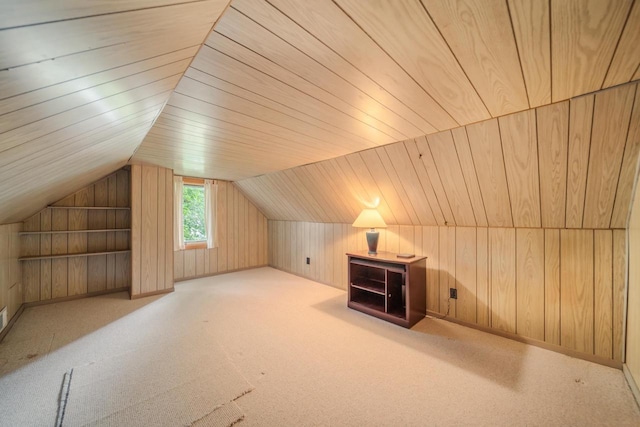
(195, 245)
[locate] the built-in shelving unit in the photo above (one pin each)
(388, 287)
(82, 231)
(91, 208)
(80, 244)
(104, 230)
(84, 254)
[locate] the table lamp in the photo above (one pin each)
(370, 218)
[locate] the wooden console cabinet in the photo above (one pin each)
(388, 287)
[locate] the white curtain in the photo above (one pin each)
(178, 231)
(210, 205)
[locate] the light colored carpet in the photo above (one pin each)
(176, 383)
(313, 361)
(223, 416)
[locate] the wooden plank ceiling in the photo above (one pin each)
(81, 84)
(570, 164)
(281, 83)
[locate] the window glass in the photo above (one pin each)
(193, 213)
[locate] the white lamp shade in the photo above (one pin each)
(369, 218)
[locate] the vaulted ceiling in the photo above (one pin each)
(80, 86)
(571, 164)
(282, 83)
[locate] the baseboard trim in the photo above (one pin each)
(13, 320)
(218, 273)
(150, 294)
(75, 297)
(553, 347)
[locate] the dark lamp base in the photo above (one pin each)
(372, 241)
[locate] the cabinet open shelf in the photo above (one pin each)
(84, 254)
(391, 288)
(381, 265)
(368, 288)
(104, 230)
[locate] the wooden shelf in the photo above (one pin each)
(369, 288)
(33, 258)
(105, 230)
(378, 264)
(95, 208)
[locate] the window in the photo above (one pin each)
(193, 214)
(195, 208)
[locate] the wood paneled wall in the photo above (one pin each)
(10, 271)
(633, 297)
(242, 239)
(50, 279)
(561, 287)
(151, 230)
(81, 84)
(566, 165)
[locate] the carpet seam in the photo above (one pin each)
(64, 397)
(222, 406)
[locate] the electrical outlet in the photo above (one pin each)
(308, 261)
(453, 293)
